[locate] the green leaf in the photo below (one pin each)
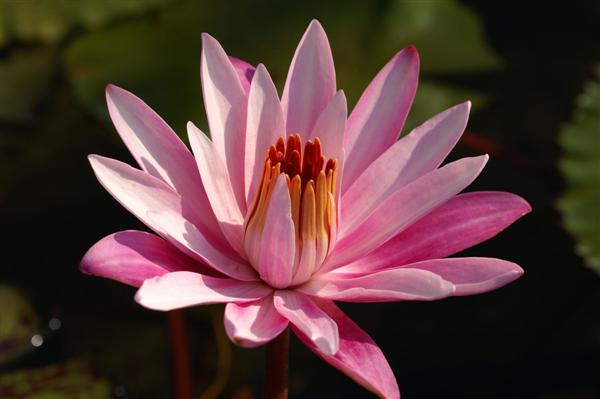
(447, 34)
(580, 166)
(25, 76)
(49, 21)
(157, 59)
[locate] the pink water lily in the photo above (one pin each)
(293, 205)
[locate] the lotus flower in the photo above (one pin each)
(293, 205)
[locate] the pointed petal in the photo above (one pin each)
(132, 256)
(190, 240)
(307, 317)
(404, 207)
(225, 102)
(265, 125)
(278, 241)
(183, 289)
(472, 275)
(330, 127)
(460, 223)
(358, 356)
(244, 70)
(255, 323)
(160, 208)
(310, 82)
(417, 153)
(400, 284)
(218, 185)
(159, 151)
(377, 119)
(136, 190)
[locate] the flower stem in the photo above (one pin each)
(276, 372)
(179, 354)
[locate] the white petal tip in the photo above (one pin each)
(110, 88)
(206, 37)
(315, 24)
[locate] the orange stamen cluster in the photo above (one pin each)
(312, 185)
(294, 163)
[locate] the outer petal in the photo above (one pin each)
(379, 115)
(358, 356)
(460, 223)
(190, 240)
(265, 124)
(472, 275)
(255, 323)
(132, 256)
(307, 317)
(183, 289)
(400, 284)
(219, 188)
(310, 83)
(278, 241)
(159, 152)
(404, 207)
(161, 209)
(225, 102)
(245, 72)
(417, 153)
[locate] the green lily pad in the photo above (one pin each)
(157, 59)
(69, 380)
(580, 166)
(447, 33)
(50, 20)
(25, 76)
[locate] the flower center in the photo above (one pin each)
(312, 188)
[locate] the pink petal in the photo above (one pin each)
(460, 223)
(376, 121)
(245, 72)
(330, 127)
(404, 207)
(131, 256)
(183, 289)
(190, 240)
(310, 82)
(472, 275)
(265, 125)
(159, 151)
(358, 356)
(219, 188)
(417, 153)
(225, 102)
(278, 241)
(400, 284)
(161, 209)
(308, 318)
(253, 324)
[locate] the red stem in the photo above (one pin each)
(179, 354)
(277, 364)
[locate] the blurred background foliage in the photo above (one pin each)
(580, 165)
(523, 66)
